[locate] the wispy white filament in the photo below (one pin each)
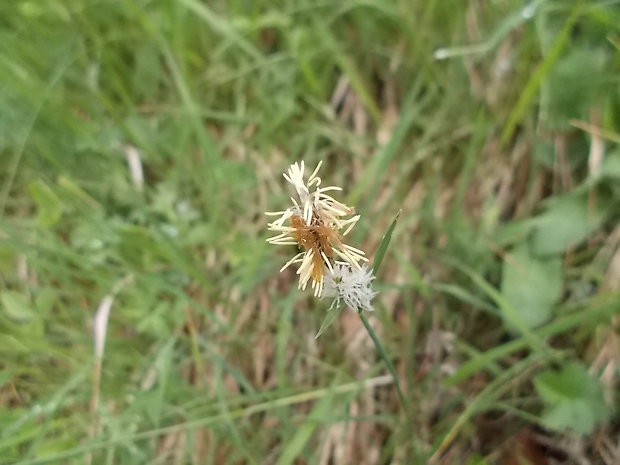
(350, 284)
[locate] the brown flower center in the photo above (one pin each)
(317, 237)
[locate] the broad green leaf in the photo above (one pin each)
(531, 285)
(573, 399)
(573, 86)
(17, 308)
(568, 220)
(10, 344)
(22, 321)
(45, 299)
(49, 206)
(514, 231)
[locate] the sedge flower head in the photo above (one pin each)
(351, 285)
(313, 223)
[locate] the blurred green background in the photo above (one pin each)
(142, 140)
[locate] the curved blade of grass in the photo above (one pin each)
(511, 314)
(222, 26)
(385, 242)
(381, 250)
(512, 22)
(529, 92)
(297, 442)
(332, 313)
(502, 383)
(385, 358)
(242, 412)
(590, 313)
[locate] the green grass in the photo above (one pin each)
(503, 269)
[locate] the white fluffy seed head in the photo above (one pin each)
(351, 284)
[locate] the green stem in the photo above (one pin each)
(385, 358)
